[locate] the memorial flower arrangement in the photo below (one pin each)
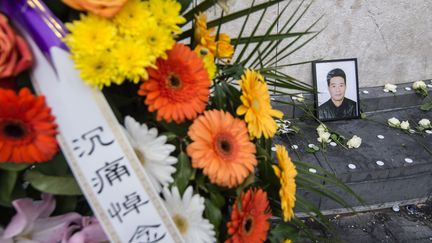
(194, 106)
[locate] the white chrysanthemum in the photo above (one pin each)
(186, 213)
(152, 151)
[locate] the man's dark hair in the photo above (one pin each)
(337, 72)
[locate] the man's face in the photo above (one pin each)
(337, 88)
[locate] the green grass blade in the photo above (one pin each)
(261, 40)
(251, 35)
(321, 190)
(295, 41)
(227, 18)
(271, 46)
(243, 26)
(206, 4)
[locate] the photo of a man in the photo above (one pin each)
(338, 106)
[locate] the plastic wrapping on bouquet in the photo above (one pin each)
(45, 29)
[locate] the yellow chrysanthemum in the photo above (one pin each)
(287, 241)
(132, 59)
(159, 40)
(90, 34)
(97, 70)
(133, 18)
(256, 106)
(208, 60)
(286, 172)
(167, 13)
(221, 48)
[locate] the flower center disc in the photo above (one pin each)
(14, 129)
(174, 81)
(248, 225)
(181, 223)
(224, 146)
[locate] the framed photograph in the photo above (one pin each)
(336, 82)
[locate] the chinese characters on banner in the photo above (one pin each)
(99, 155)
(108, 177)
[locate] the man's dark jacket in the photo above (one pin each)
(328, 110)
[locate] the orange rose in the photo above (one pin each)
(15, 55)
(104, 8)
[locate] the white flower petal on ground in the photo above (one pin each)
(354, 142)
(390, 87)
(152, 151)
(405, 125)
(186, 213)
(394, 122)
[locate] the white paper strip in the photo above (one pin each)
(102, 160)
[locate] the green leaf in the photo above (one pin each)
(266, 37)
(13, 166)
(233, 16)
(57, 185)
(242, 13)
(213, 213)
(282, 232)
(273, 46)
(170, 136)
(184, 4)
(184, 172)
(248, 41)
(65, 204)
(7, 184)
(267, 177)
(427, 106)
(178, 129)
(234, 71)
(203, 6)
(220, 97)
(217, 199)
(55, 167)
(243, 25)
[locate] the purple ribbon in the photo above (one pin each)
(41, 24)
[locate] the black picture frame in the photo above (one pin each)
(325, 108)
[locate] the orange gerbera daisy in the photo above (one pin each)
(221, 147)
(249, 221)
(27, 128)
(179, 87)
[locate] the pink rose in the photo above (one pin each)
(15, 55)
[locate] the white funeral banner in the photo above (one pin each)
(102, 160)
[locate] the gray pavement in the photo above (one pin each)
(411, 224)
(404, 174)
(402, 179)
